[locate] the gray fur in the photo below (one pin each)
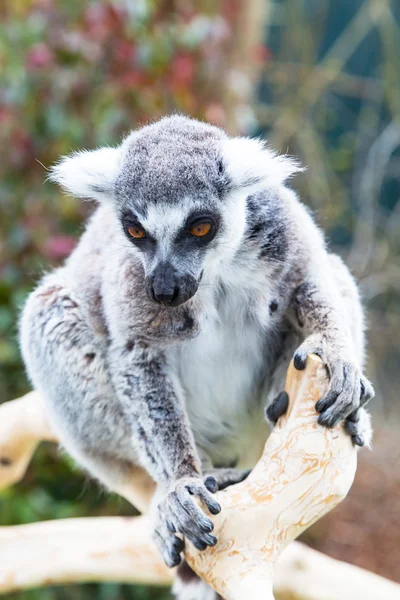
(172, 387)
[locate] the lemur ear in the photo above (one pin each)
(88, 174)
(250, 164)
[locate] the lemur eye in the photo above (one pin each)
(136, 232)
(200, 229)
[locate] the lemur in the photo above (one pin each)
(168, 331)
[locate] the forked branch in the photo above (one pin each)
(305, 471)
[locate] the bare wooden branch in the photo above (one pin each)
(305, 574)
(79, 550)
(304, 472)
(120, 549)
(23, 425)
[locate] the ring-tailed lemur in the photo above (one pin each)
(171, 326)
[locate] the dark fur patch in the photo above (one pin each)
(255, 231)
(188, 322)
(186, 573)
(274, 245)
(187, 576)
(273, 307)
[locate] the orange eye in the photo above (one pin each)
(136, 232)
(200, 229)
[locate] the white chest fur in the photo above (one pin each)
(222, 372)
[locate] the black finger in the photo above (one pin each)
(192, 526)
(351, 428)
(367, 392)
(185, 511)
(198, 543)
(178, 544)
(237, 476)
(329, 419)
(211, 484)
(327, 401)
(213, 506)
(300, 361)
(358, 440)
(170, 550)
(278, 407)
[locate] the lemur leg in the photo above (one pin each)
(66, 362)
(189, 586)
(224, 476)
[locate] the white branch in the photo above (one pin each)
(120, 549)
(23, 425)
(304, 472)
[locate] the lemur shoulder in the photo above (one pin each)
(168, 331)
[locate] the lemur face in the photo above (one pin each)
(172, 197)
(179, 188)
(173, 244)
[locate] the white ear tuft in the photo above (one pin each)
(88, 174)
(251, 164)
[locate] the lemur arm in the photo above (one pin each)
(329, 315)
(331, 322)
(155, 412)
(166, 448)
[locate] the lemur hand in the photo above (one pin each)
(174, 511)
(349, 390)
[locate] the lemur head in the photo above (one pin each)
(179, 188)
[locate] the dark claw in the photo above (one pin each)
(172, 560)
(351, 428)
(206, 525)
(329, 421)
(278, 407)
(199, 544)
(227, 483)
(211, 540)
(172, 556)
(299, 362)
(327, 401)
(357, 440)
(170, 526)
(211, 484)
(178, 545)
(214, 507)
(367, 393)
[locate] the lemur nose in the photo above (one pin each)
(165, 296)
(163, 284)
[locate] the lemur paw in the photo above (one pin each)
(226, 477)
(174, 511)
(348, 388)
(358, 426)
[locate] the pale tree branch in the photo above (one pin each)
(305, 470)
(23, 425)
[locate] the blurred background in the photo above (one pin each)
(319, 79)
